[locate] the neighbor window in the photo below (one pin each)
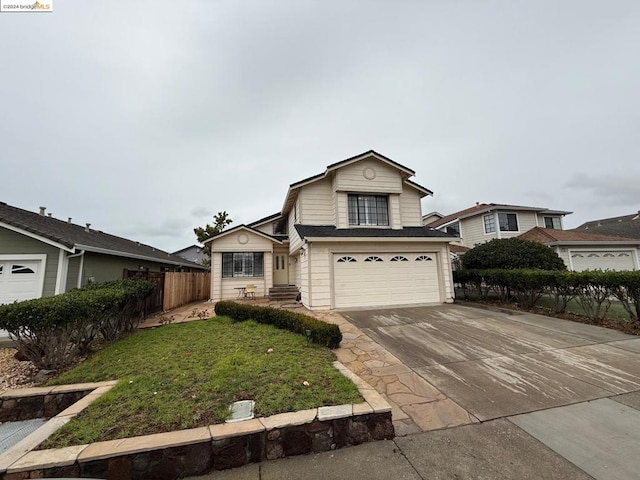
(508, 222)
(243, 264)
(552, 222)
(368, 210)
(489, 223)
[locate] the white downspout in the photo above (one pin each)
(81, 255)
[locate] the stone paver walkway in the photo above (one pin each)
(417, 406)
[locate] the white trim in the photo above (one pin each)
(243, 227)
(80, 269)
(30, 256)
(61, 274)
(36, 237)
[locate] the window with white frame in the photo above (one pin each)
(370, 210)
(489, 223)
(508, 222)
(552, 222)
(242, 264)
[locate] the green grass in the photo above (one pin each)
(185, 376)
(616, 311)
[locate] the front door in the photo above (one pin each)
(280, 269)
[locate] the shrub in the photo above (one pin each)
(319, 332)
(51, 331)
(512, 253)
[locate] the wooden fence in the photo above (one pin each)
(181, 288)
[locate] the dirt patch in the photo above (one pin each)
(15, 374)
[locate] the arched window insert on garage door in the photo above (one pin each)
(346, 260)
(399, 258)
(373, 258)
(424, 258)
(21, 269)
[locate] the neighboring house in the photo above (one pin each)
(351, 236)
(486, 221)
(627, 226)
(581, 250)
(193, 253)
(41, 256)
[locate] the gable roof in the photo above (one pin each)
(243, 227)
(624, 226)
(481, 208)
(406, 171)
(555, 236)
(266, 219)
(72, 237)
(330, 231)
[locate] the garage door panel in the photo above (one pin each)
(377, 283)
(20, 280)
(603, 260)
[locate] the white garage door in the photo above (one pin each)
(604, 260)
(20, 280)
(379, 279)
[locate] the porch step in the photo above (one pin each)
(284, 292)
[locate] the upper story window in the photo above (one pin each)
(507, 222)
(280, 227)
(552, 222)
(368, 210)
(489, 223)
(453, 229)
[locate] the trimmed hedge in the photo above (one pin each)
(52, 331)
(321, 333)
(592, 289)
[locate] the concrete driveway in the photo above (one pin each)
(497, 365)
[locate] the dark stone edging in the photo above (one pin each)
(201, 450)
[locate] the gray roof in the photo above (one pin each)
(331, 231)
(625, 226)
(74, 236)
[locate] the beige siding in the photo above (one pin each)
(294, 239)
(526, 221)
(305, 285)
(341, 210)
(430, 218)
(541, 216)
(242, 241)
(216, 276)
(352, 178)
(266, 228)
(473, 232)
(563, 253)
(319, 263)
(15, 243)
(410, 208)
(315, 202)
(395, 218)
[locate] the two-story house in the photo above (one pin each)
(486, 221)
(349, 237)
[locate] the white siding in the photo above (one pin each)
(352, 178)
(305, 285)
(216, 276)
(319, 263)
(526, 221)
(266, 228)
(410, 208)
(233, 242)
(315, 201)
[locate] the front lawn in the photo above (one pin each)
(185, 376)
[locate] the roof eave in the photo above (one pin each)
(116, 253)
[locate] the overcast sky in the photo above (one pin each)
(146, 118)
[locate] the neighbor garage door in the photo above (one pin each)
(604, 260)
(379, 279)
(20, 280)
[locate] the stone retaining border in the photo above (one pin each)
(198, 451)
